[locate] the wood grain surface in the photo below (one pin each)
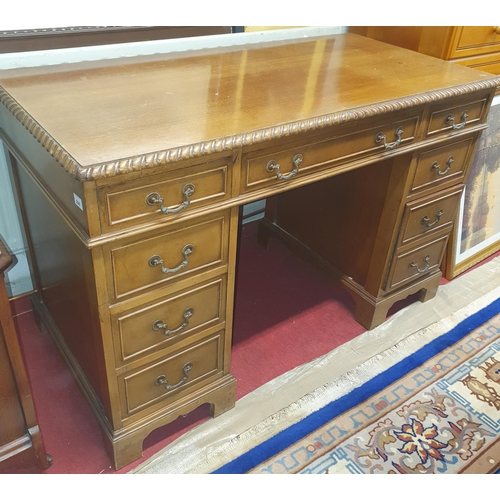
(99, 112)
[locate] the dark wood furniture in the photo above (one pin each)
(131, 173)
(85, 36)
(21, 442)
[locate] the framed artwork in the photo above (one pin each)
(477, 232)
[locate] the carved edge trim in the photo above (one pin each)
(46, 140)
(228, 143)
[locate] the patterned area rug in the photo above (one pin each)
(435, 411)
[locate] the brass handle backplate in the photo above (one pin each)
(159, 325)
(427, 222)
(450, 120)
(380, 137)
(436, 166)
(154, 198)
(420, 271)
(272, 166)
(156, 260)
(162, 380)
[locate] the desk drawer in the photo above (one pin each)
(423, 217)
(165, 257)
(489, 63)
(443, 165)
(417, 262)
(475, 40)
(170, 378)
(273, 166)
(163, 197)
(445, 118)
(159, 325)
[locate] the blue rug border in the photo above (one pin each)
(292, 434)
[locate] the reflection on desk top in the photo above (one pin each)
(108, 117)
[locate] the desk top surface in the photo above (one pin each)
(125, 114)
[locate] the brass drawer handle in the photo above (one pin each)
(420, 271)
(436, 166)
(450, 119)
(496, 30)
(273, 166)
(156, 260)
(162, 380)
(427, 222)
(159, 325)
(380, 137)
(154, 198)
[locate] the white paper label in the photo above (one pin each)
(78, 201)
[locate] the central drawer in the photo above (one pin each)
(274, 165)
(164, 257)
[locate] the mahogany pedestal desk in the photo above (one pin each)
(131, 172)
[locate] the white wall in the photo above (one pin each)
(17, 277)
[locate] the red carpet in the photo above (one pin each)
(285, 307)
(286, 314)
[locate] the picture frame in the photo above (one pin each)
(476, 235)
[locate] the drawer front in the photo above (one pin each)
(155, 260)
(489, 63)
(424, 217)
(160, 198)
(271, 167)
(418, 262)
(442, 165)
(162, 324)
(464, 115)
(171, 377)
(476, 40)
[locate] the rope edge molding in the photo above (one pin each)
(228, 143)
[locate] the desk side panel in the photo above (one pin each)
(66, 285)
